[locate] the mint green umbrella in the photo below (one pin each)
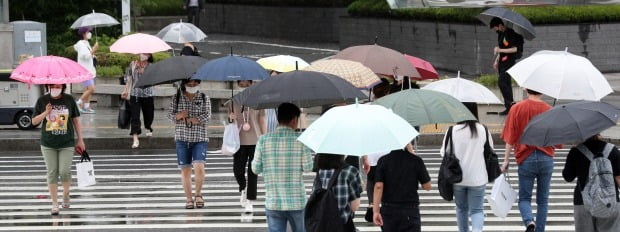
(420, 107)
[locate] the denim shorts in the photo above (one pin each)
(191, 152)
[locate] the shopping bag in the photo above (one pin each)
(85, 171)
(230, 140)
(502, 197)
(123, 114)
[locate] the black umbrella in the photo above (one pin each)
(302, 88)
(170, 70)
(511, 19)
(570, 123)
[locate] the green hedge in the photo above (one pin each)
(299, 3)
(536, 14)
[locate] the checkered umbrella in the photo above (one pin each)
(353, 72)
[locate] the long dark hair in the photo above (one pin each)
(329, 161)
(472, 127)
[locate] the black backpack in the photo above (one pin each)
(519, 46)
(322, 213)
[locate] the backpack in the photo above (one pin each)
(519, 45)
(599, 193)
(322, 213)
(178, 95)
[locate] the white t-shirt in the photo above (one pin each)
(374, 157)
(84, 57)
(470, 152)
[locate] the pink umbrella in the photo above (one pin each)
(139, 43)
(50, 70)
(425, 68)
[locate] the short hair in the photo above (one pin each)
(287, 111)
(64, 87)
(329, 161)
(495, 22)
(185, 81)
(533, 92)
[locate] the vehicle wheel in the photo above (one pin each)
(24, 120)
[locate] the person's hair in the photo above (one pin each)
(495, 22)
(471, 124)
(185, 81)
(150, 59)
(532, 92)
(595, 137)
(329, 161)
(82, 30)
(64, 87)
(382, 88)
(239, 81)
(287, 112)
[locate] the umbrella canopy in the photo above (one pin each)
(231, 68)
(561, 75)
(425, 68)
(181, 32)
(464, 90)
(302, 88)
(421, 107)
(139, 43)
(379, 59)
(511, 19)
(50, 70)
(358, 130)
(170, 70)
(570, 123)
(282, 63)
(354, 72)
(94, 20)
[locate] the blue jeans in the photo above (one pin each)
(537, 166)
(190, 152)
(469, 203)
(276, 220)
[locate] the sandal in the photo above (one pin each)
(66, 203)
(189, 205)
(55, 210)
(199, 203)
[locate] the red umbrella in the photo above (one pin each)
(425, 68)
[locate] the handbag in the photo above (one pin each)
(230, 141)
(85, 171)
(491, 161)
(450, 170)
(124, 114)
(502, 197)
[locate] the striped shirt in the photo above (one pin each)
(282, 160)
(199, 107)
(272, 119)
(347, 189)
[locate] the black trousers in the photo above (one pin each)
(400, 219)
(241, 159)
(504, 83)
(193, 15)
(148, 112)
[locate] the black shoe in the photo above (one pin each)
(368, 215)
(530, 228)
(505, 112)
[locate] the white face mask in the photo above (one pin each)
(143, 57)
(89, 35)
(55, 92)
(191, 90)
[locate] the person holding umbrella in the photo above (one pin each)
(86, 58)
(510, 46)
(140, 98)
(59, 115)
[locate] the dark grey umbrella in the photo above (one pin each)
(511, 19)
(170, 70)
(302, 88)
(570, 123)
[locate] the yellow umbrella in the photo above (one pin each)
(353, 72)
(282, 63)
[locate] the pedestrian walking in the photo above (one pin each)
(468, 139)
(189, 50)
(509, 49)
(194, 7)
(396, 202)
(578, 166)
(190, 110)
(86, 58)
(140, 98)
(252, 124)
(535, 163)
(282, 160)
(59, 115)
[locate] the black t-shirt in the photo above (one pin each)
(577, 165)
(507, 39)
(401, 173)
(57, 129)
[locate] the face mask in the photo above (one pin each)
(89, 35)
(55, 92)
(143, 57)
(191, 90)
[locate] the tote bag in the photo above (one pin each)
(450, 171)
(230, 140)
(85, 171)
(502, 197)
(124, 115)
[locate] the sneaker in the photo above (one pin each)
(149, 134)
(243, 199)
(87, 111)
(530, 228)
(249, 208)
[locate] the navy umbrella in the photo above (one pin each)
(511, 19)
(170, 70)
(302, 88)
(570, 123)
(231, 68)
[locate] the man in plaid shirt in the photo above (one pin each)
(282, 160)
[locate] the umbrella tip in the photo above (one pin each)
(458, 74)
(566, 49)
(356, 103)
(376, 38)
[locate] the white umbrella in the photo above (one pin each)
(464, 90)
(94, 20)
(282, 63)
(181, 32)
(561, 75)
(358, 130)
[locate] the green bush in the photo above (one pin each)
(488, 80)
(298, 3)
(110, 71)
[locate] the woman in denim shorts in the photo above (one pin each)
(191, 110)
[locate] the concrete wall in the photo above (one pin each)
(469, 48)
(6, 47)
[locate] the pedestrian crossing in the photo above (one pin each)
(141, 191)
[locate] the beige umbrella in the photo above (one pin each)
(353, 72)
(380, 60)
